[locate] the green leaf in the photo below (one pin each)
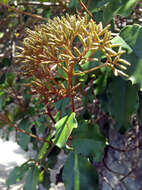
(8, 115)
(10, 79)
(73, 4)
(89, 147)
(130, 39)
(2, 78)
(62, 72)
(87, 140)
(40, 122)
(95, 5)
(127, 7)
(79, 174)
(17, 174)
(123, 101)
(44, 147)
(52, 157)
(14, 175)
(61, 105)
(5, 62)
(32, 179)
(101, 81)
(121, 7)
(64, 128)
(18, 113)
(89, 97)
(87, 130)
(23, 139)
(2, 100)
(111, 9)
(132, 35)
(46, 181)
(41, 176)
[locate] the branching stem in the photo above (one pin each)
(3, 118)
(50, 115)
(91, 70)
(23, 12)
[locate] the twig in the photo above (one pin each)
(124, 150)
(23, 12)
(99, 118)
(91, 70)
(73, 105)
(3, 118)
(39, 3)
(107, 181)
(30, 160)
(49, 114)
(63, 4)
(21, 103)
(85, 8)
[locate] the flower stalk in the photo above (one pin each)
(54, 55)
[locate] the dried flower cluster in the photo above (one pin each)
(54, 54)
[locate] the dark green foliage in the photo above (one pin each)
(61, 106)
(131, 40)
(23, 139)
(5, 62)
(88, 141)
(122, 7)
(17, 174)
(32, 178)
(78, 173)
(78, 133)
(122, 102)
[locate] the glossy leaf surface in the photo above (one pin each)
(64, 128)
(131, 40)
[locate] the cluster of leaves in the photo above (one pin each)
(68, 63)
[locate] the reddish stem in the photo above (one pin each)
(3, 118)
(73, 105)
(50, 115)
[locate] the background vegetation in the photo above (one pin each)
(106, 101)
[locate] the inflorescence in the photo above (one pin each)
(54, 54)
